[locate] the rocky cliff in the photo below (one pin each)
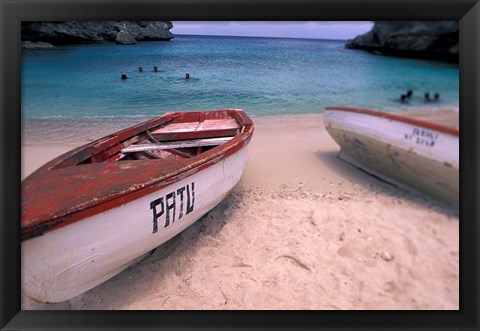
(68, 32)
(436, 40)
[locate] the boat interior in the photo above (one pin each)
(172, 136)
(180, 139)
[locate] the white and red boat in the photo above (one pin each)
(412, 153)
(91, 212)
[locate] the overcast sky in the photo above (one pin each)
(317, 30)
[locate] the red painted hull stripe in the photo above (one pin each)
(399, 118)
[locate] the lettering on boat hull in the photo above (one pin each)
(172, 205)
(423, 137)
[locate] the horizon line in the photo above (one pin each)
(240, 36)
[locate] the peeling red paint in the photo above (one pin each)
(86, 181)
(395, 117)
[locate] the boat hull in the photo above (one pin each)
(64, 263)
(413, 156)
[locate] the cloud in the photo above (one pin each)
(307, 29)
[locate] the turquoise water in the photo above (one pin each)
(263, 76)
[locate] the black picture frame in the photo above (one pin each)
(467, 12)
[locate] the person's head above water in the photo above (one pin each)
(155, 68)
(124, 76)
(409, 93)
(140, 69)
(187, 76)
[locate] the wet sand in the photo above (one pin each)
(302, 230)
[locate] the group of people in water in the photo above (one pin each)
(403, 98)
(155, 69)
(426, 96)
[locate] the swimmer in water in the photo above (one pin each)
(187, 76)
(155, 69)
(403, 98)
(140, 69)
(427, 96)
(436, 96)
(409, 93)
(124, 76)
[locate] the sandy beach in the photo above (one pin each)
(302, 230)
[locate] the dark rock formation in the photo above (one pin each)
(37, 45)
(436, 40)
(125, 38)
(72, 32)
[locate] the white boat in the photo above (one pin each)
(90, 213)
(411, 153)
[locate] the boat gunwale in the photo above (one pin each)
(50, 222)
(60, 161)
(409, 120)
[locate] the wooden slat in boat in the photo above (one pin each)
(194, 130)
(176, 144)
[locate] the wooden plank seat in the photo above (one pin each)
(175, 144)
(219, 127)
